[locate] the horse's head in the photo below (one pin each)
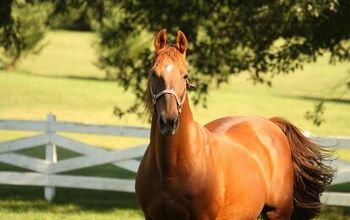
(168, 81)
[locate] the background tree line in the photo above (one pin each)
(261, 38)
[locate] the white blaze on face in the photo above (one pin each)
(168, 67)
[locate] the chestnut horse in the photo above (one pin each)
(232, 168)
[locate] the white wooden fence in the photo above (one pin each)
(46, 172)
(342, 167)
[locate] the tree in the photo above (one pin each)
(264, 38)
(22, 28)
(23, 23)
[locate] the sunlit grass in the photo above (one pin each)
(343, 154)
(25, 96)
(290, 97)
(67, 54)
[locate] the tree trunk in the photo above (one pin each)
(12, 65)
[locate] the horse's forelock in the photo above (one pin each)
(172, 52)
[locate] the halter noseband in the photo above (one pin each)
(179, 102)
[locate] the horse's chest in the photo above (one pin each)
(187, 199)
(175, 207)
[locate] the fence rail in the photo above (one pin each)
(48, 172)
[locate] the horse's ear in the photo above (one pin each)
(189, 85)
(181, 42)
(160, 40)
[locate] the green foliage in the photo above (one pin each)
(22, 31)
(263, 38)
(76, 14)
(74, 18)
(316, 115)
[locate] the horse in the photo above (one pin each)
(235, 167)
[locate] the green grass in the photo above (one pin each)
(67, 54)
(63, 80)
(26, 202)
(290, 97)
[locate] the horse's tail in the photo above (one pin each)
(311, 174)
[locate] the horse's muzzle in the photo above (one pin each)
(168, 125)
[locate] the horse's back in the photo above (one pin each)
(259, 136)
(256, 134)
(238, 124)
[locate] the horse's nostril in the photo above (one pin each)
(162, 121)
(173, 122)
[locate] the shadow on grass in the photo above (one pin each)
(316, 98)
(335, 213)
(31, 198)
(345, 187)
(87, 78)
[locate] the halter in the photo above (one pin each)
(179, 102)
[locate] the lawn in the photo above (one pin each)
(64, 81)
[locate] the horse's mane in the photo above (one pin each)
(168, 51)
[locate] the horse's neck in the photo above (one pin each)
(174, 151)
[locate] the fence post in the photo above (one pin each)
(50, 155)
